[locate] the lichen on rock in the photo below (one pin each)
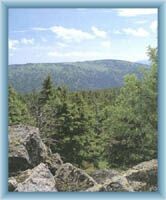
(40, 179)
(70, 178)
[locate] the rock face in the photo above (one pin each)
(26, 148)
(143, 177)
(38, 179)
(70, 178)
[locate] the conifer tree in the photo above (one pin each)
(18, 111)
(134, 120)
(47, 90)
(44, 95)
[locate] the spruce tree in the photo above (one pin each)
(44, 95)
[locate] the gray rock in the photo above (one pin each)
(26, 148)
(138, 186)
(117, 184)
(12, 184)
(100, 176)
(23, 175)
(143, 177)
(96, 188)
(54, 161)
(70, 178)
(39, 179)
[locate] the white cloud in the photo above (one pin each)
(27, 41)
(98, 32)
(71, 34)
(153, 26)
(12, 44)
(106, 44)
(61, 44)
(117, 32)
(140, 32)
(39, 29)
(79, 55)
(130, 12)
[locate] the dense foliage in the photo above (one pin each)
(77, 75)
(103, 128)
(18, 110)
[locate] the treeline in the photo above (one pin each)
(102, 129)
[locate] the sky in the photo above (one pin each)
(67, 35)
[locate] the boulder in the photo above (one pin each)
(117, 184)
(26, 148)
(54, 161)
(96, 188)
(23, 175)
(138, 186)
(70, 178)
(38, 179)
(100, 176)
(12, 184)
(143, 177)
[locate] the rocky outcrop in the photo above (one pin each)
(100, 176)
(33, 168)
(38, 179)
(117, 184)
(70, 178)
(26, 148)
(143, 177)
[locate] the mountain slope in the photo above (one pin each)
(85, 75)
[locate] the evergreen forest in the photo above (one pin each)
(94, 129)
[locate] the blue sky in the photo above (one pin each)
(64, 35)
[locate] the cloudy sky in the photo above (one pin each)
(62, 35)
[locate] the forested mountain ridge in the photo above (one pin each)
(87, 75)
(104, 129)
(94, 125)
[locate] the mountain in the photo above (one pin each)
(86, 75)
(147, 62)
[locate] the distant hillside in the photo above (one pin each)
(76, 75)
(147, 62)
